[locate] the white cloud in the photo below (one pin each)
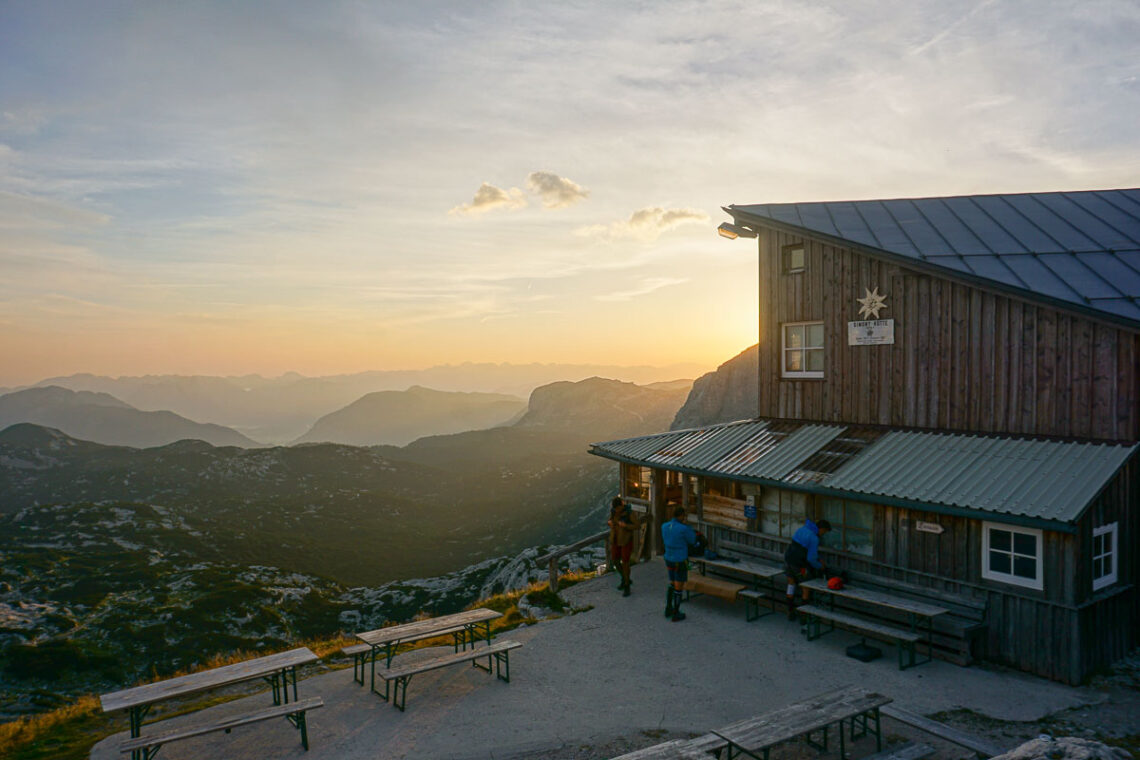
(556, 191)
(646, 224)
(488, 198)
(648, 285)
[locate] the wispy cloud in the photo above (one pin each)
(556, 191)
(646, 224)
(488, 198)
(646, 287)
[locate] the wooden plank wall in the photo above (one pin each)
(963, 358)
(724, 511)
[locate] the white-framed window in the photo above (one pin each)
(1104, 550)
(1011, 554)
(803, 349)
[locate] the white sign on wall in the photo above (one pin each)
(928, 527)
(871, 332)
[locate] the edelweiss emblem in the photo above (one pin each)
(872, 304)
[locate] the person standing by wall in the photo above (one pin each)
(677, 538)
(623, 525)
(801, 560)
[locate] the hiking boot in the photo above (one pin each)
(678, 617)
(625, 591)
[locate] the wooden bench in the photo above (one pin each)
(982, 747)
(905, 640)
(499, 652)
(853, 706)
(359, 654)
(904, 751)
(465, 627)
(958, 635)
(677, 749)
(294, 712)
(728, 591)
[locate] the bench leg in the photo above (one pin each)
(298, 721)
(387, 686)
(400, 699)
(358, 662)
(503, 662)
(822, 745)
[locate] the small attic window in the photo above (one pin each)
(794, 258)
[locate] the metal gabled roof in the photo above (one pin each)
(1076, 248)
(1043, 479)
(1000, 476)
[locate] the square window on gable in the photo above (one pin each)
(794, 258)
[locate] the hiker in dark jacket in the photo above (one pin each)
(801, 560)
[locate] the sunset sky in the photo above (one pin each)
(325, 187)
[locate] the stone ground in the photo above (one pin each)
(619, 676)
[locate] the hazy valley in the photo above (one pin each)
(114, 549)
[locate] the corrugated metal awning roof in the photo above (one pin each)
(1046, 479)
(994, 475)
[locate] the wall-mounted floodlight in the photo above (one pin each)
(732, 231)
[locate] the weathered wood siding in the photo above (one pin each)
(723, 511)
(963, 359)
(1063, 632)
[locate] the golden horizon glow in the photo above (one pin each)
(203, 188)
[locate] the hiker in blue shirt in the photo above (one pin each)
(677, 537)
(801, 560)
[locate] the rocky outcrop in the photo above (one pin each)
(604, 408)
(1064, 748)
(725, 395)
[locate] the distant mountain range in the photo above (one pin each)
(103, 418)
(360, 515)
(282, 409)
(112, 558)
(400, 417)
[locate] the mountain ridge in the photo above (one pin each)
(103, 418)
(400, 417)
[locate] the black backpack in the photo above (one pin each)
(697, 549)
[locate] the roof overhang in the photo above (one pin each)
(753, 221)
(1033, 482)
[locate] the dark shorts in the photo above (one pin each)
(802, 573)
(678, 571)
(621, 553)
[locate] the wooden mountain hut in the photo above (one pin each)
(954, 384)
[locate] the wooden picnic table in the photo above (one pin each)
(468, 625)
(278, 669)
(754, 737)
(916, 612)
